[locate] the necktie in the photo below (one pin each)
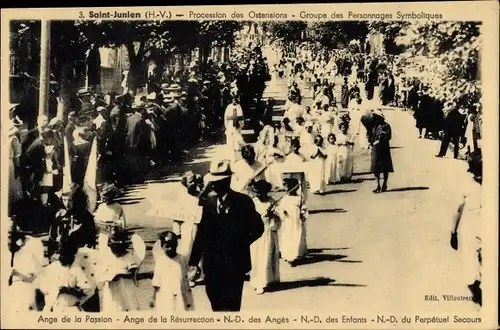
(220, 207)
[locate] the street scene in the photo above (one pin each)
(271, 166)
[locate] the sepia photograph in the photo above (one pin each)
(184, 167)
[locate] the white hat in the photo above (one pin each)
(99, 109)
(151, 96)
(219, 170)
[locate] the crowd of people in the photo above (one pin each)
(244, 229)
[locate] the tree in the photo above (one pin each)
(216, 33)
(139, 38)
(285, 32)
(449, 53)
(25, 46)
(390, 31)
(337, 34)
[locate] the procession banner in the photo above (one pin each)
(374, 260)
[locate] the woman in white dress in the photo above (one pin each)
(317, 164)
(331, 159)
(172, 292)
(265, 251)
(466, 233)
(27, 261)
(293, 214)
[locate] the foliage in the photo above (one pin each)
(285, 32)
(390, 31)
(449, 56)
(25, 43)
(157, 39)
(337, 34)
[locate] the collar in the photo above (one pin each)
(223, 198)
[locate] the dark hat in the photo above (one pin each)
(119, 237)
(262, 187)
(109, 190)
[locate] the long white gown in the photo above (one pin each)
(243, 173)
(265, 251)
(170, 276)
(28, 260)
(292, 234)
(344, 158)
(56, 276)
(331, 163)
(316, 175)
(120, 294)
(469, 233)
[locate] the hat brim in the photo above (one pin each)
(209, 177)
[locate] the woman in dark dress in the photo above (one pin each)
(81, 151)
(381, 151)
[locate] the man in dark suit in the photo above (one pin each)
(453, 130)
(229, 225)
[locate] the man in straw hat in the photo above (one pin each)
(229, 225)
(381, 162)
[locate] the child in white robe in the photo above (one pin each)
(172, 292)
(265, 250)
(344, 155)
(273, 158)
(109, 213)
(27, 263)
(119, 292)
(317, 164)
(246, 170)
(64, 283)
(331, 159)
(293, 213)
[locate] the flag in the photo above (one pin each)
(66, 187)
(89, 183)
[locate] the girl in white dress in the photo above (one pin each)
(345, 161)
(109, 214)
(273, 158)
(293, 214)
(331, 159)
(265, 250)
(246, 170)
(172, 292)
(317, 164)
(27, 263)
(118, 291)
(64, 283)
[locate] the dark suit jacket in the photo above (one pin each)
(224, 239)
(35, 159)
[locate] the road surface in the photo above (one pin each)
(367, 252)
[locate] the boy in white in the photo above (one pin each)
(172, 292)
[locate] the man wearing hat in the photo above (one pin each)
(229, 225)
